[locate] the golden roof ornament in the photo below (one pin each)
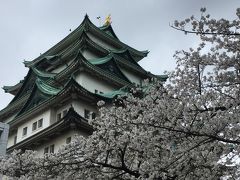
(108, 20)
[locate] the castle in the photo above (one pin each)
(60, 92)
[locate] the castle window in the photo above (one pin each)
(86, 113)
(37, 124)
(34, 126)
(68, 140)
(46, 150)
(51, 149)
(59, 116)
(40, 123)
(24, 133)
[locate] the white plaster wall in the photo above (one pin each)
(91, 83)
(52, 115)
(79, 107)
(131, 76)
(65, 107)
(58, 141)
(60, 110)
(46, 122)
(49, 117)
(100, 42)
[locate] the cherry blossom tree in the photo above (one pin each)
(185, 129)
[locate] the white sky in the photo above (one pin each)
(30, 27)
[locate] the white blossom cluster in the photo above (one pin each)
(187, 129)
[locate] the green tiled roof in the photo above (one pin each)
(47, 89)
(87, 26)
(46, 83)
(123, 58)
(43, 74)
(11, 89)
(112, 94)
(103, 60)
(105, 73)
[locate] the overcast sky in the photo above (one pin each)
(30, 27)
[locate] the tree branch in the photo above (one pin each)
(204, 33)
(197, 134)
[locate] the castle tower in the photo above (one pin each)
(59, 94)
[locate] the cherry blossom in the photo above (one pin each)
(187, 128)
